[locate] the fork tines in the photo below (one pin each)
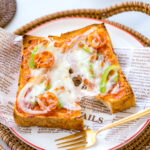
(76, 141)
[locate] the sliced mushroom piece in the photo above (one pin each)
(77, 80)
(70, 70)
(84, 86)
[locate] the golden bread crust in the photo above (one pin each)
(48, 121)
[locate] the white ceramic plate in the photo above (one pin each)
(119, 38)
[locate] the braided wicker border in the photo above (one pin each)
(140, 142)
(143, 139)
(11, 140)
(7, 11)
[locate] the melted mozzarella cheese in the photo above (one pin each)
(59, 76)
(67, 99)
(79, 60)
(38, 72)
(37, 89)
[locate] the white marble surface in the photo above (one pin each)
(28, 10)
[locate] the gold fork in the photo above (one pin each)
(87, 138)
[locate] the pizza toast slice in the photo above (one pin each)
(57, 71)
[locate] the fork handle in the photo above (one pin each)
(125, 120)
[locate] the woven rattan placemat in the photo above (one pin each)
(142, 141)
(7, 11)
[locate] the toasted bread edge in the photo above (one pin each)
(48, 121)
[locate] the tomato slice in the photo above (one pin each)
(44, 59)
(48, 101)
(97, 39)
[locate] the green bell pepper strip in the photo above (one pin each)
(91, 69)
(86, 49)
(60, 105)
(31, 61)
(104, 78)
(97, 56)
(48, 86)
(34, 103)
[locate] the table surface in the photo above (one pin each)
(28, 10)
